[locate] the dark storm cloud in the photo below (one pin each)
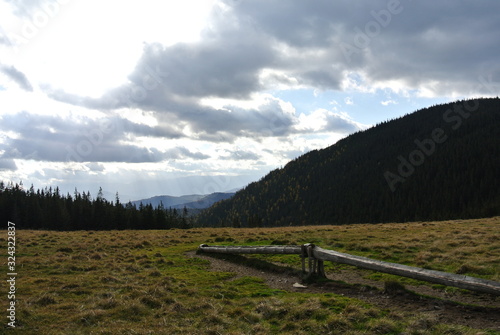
(17, 76)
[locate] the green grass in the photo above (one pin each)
(141, 282)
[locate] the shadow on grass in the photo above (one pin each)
(393, 289)
(254, 263)
(306, 278)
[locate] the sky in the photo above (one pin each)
(152, 97)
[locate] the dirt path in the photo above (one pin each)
(444, 306)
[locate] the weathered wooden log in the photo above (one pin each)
(317, 255)
(271, 249)
(439, 277)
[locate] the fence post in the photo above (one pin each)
(316, 266)
(321, 268)
(303, 256)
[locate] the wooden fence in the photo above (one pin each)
(316, 257)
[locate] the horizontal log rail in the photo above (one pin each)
(316, 256)
(267, 249)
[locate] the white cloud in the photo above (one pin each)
(388, 102)
(17, 76)
(315, 121)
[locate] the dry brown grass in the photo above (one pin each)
(141, 282)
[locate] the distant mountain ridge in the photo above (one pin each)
(193, 201)
(437, 163)
(207, 200)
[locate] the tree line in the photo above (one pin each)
(437, 163)
(49, 209)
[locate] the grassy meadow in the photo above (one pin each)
(144, 282)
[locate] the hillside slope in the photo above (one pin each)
(168, 200)
(437, 163)
(194, 201)
(207, 200)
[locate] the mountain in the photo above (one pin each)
(207, 200)
(194, 201)
(168, 201)
(437, 163)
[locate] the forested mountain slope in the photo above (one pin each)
(440, 162)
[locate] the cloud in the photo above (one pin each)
(7, 164)
(182, 152)
(17, 76)
(268, 119)
(95, 167)
(238, 155)
(26, 8)
(226, 67)
(56, 139)
(441, 47)
(296, 23)
(416, 43)
(339, 124)
(4, 39)
(251, 47)
(185, 106)
(388, 102)
(203, 122)
(322, 120)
